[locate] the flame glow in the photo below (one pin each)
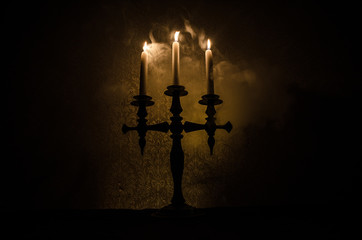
(208, 44)
(145, 46)
(176, 36)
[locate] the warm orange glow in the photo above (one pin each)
(176, 36)
(208, 44)
(145, 46)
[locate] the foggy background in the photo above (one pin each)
(288, 74)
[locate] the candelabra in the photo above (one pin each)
(178, 205)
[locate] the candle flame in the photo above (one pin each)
(208, 44)
(176, 36)
(145, 46)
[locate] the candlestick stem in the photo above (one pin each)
(177, 154)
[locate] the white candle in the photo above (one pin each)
(144, 70)
(175, 60)
(209, 69)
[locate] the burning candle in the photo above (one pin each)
(144, 70)
(175, 60)
(209, 71)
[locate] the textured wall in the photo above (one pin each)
(284, 72)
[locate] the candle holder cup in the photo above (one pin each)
(178, 206)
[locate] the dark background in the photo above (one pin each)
(56, 55)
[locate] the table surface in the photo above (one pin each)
(283, 222)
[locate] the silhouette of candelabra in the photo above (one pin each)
(176, 127)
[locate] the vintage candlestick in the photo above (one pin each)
(178, 205)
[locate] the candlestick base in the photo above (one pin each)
(178, 211)
(210, 99)
(142, 100)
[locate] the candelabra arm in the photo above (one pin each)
(191, 127)
(228, 126)
(160, 127)
(125, 128)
